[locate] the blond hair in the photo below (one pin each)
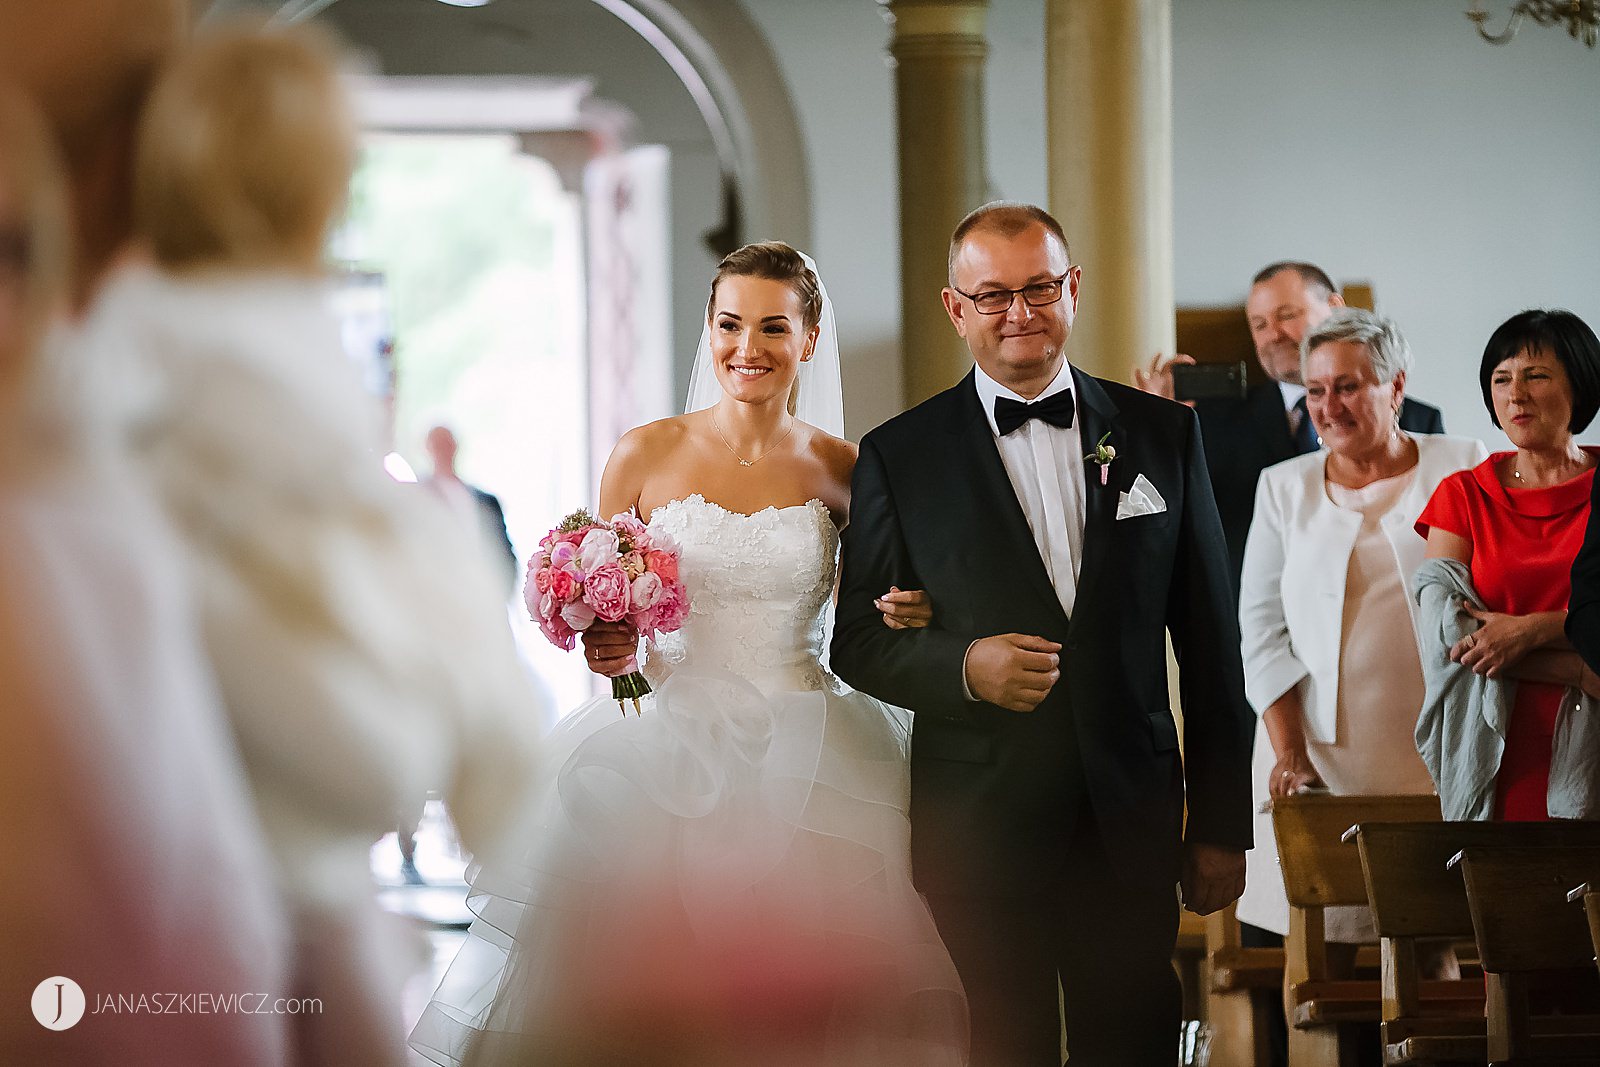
(33, 184)
(245, 151)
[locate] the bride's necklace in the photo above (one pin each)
(765, 452)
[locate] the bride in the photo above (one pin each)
(726, 878)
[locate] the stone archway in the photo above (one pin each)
(726, 65)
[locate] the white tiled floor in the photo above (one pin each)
(438, 905)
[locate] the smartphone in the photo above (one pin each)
(1209, 381)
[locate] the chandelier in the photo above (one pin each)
(1582, 18)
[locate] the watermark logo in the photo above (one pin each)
(58, 1003)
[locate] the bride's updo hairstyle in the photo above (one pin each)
(776, 262)
(245, 152)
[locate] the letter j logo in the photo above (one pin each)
(58, 1003)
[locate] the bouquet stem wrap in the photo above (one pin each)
(629, 687)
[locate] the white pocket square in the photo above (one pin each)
(1140, 499)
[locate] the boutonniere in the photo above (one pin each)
(1103, 454)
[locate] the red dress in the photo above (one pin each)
(1523, 544)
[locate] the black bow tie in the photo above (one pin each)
(1056, 409)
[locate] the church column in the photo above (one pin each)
(1109, 118)
(938, 51)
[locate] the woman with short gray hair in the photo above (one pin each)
(1330, 656)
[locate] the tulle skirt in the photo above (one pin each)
(722, 879)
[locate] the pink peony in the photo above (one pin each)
(556, 630)
(663, 565)
(647, 592)
(627, 525)
(606, 591)
(562, 586)
(578, 615)
(532, 597)
(669, 611)
(599, 548)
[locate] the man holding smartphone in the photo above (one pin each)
(1248, 431)
(1251, 430)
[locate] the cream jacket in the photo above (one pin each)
(1291, 597)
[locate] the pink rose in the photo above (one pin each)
(562, 586)
(598, 549)
(606, 591)
(541, 579)
(663, 565)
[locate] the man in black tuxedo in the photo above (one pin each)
(1269, 424)
(1062, 526)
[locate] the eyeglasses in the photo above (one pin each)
(999, 301)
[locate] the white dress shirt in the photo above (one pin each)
(1292, 395)
(1045, 465)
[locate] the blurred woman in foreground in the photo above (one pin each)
(134, 860)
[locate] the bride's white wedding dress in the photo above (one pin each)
(738, 851)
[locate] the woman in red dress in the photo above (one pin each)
(1517, 520)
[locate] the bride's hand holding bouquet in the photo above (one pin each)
(612, 583)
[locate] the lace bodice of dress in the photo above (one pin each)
(757, 588)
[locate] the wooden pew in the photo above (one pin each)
(1415, 895)
(1587, 895)
(1524, 925)
(1232, 973)
(1320, 871)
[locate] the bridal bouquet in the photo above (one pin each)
(618, 571)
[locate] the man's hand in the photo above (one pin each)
(609, 648)
(1158, 379)
(1013, 671)
(1213, 877)
(905, 609)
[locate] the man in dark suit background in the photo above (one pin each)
(1269, 424)
(476, 505)
(1062, 526)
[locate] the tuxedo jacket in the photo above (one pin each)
(996, 794)
(1244, 437)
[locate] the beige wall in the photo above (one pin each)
(1459, 177)
(1382, 139)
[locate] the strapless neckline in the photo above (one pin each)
(696, 498)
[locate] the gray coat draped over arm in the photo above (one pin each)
(1461, 730)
